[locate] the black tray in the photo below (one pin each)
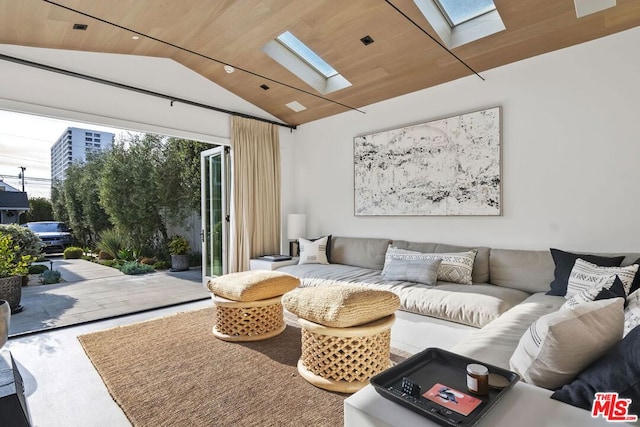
(433, 366)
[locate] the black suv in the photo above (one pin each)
(55, 236)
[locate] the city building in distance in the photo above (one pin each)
(75, 145)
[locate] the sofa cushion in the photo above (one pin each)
(400, 264)
(474, 305)
(494, 344)
(564, 262)
(617, 371)
(341, 306)
(529, 271)
(455, 267)
(480, 273)
(359, 252)
(313, 251)
(559, 345)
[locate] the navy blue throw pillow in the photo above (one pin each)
(636, 280)
(564, 264)
(615, 291)
(617, 371)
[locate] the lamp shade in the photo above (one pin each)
(296, 226)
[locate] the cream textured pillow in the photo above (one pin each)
(313, 252)
(585, 274)
(341, 306)
(559, 345)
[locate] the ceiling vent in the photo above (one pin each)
(81, 27)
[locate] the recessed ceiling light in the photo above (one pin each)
(296, 106)
(229, 69)
(80, 26)
(366, 40)
(135, 37)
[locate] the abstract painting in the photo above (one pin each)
(449, 166)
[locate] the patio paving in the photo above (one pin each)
(92, 291)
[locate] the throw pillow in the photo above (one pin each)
(617, 371)
(564, 262)
(410, 266)
(636, 282)
(559, 345)
(632, 312)
(585, 275)
(313, 252)
(606, 287)
(328, 246)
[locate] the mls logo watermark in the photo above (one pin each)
(612, 408)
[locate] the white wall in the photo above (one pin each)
(571, 154)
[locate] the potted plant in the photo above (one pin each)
(13, 265)
(179, 250)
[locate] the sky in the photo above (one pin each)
(26, 140)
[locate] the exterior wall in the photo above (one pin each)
(569, 154)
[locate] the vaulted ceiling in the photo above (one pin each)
(206, 35)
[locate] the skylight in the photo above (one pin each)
(305, 53)
(298, 58)
(460, 11)
(459, 22)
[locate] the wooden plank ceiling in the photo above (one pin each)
(401, 60)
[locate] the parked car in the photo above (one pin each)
(55, 236)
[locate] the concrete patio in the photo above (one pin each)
(92, 291)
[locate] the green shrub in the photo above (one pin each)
(37, 268)
(133, 267)
(25, 239)
(113, 241)
(162, 265)
(12, 263)
(178, 245)
(73, 252)
(126, 255)
(114, 263)
(50, 276)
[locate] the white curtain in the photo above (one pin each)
(255, 150)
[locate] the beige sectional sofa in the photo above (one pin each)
(507, 294)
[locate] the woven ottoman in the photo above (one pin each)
(248, 304)
(346, 334)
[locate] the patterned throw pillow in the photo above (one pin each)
(455, 267)
(313, 252)
(585, 275)
(605, 287)
(632, 312)
(410, 266)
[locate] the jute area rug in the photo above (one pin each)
(173, 372)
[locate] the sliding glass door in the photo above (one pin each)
(215, 184)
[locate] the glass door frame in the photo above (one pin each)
(206, 187)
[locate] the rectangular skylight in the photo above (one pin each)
(460, 11)
(305, 53)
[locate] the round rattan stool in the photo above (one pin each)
(248, 320)
(344, 359)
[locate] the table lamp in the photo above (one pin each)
(296, 228)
